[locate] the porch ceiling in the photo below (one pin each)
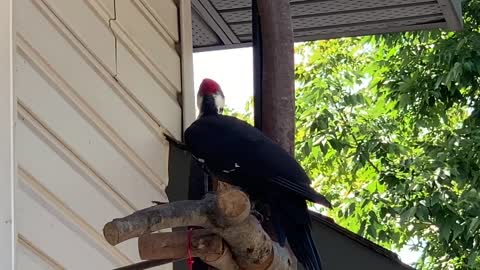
(221, 24)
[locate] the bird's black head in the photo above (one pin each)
(210, 98)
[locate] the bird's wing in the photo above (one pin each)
(305, 191)
(221, 137)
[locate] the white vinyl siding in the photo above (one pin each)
(97, 83)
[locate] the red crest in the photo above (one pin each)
(209, 86)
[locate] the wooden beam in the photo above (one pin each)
(274, 104)
(278, 101)
(257, 66)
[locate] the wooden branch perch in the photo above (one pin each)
(204, 244)
(171, 245)
(232, 238)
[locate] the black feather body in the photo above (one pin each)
(242, 155)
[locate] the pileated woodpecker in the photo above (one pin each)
(234, 151)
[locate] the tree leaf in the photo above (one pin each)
(422, 213)
(407, 215)
(445, 230)
(457, 230)
(474, 223)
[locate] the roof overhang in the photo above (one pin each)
(223, 24)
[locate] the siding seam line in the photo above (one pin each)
(73, 159)
(151, 122)
(108, 133)
(28, 245)
(68, 215)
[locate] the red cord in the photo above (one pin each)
(189, 246)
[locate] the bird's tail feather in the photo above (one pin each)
(302, 190)
(303, 246)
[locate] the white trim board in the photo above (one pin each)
(7, 122)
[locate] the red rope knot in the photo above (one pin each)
(189, 247)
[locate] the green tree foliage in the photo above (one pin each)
(389, 129)
(388, 126)
(245, 115)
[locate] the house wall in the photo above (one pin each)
(97, 83)
(7, 239)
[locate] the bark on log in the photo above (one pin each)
(158, 217)
(209, 247)
(146, 264)
(225, 215)
(171, 245)
(278, 101)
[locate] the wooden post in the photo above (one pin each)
(273, 77)
(257, 66)
(277, 97)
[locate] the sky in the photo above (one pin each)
(233, 70)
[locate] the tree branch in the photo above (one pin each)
(232, 238)
(357, 143)
(204, 244)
